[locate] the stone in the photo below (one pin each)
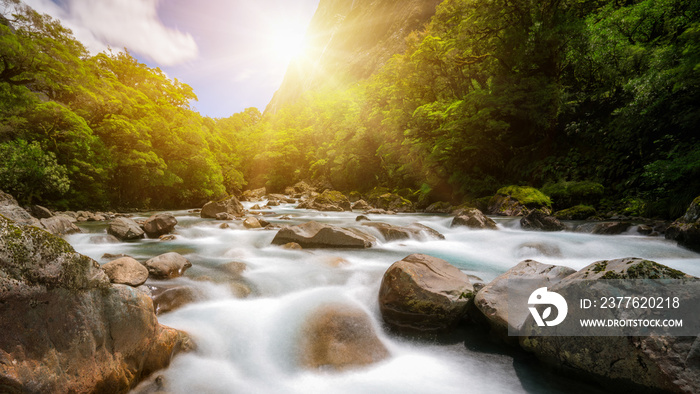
(159, 224)
(126, 271)
(167, 266)
(104, 239)
(60, 225)
(492, 300)
(604, 228)
(224, 216)
(40, 212)
(167, 298)
(125, 229)
(424, 293)
(234, 268)
(529, 249)
(656, 363)
(65, 328)
(11, 210)
(578, 212)
(686, 230)
(360, 218)
(229, 205)
(518, 201)
(316, 235)
(251, 222)
(360, 205)
(392, 202)
(329, 201)
(474, 218)
(439, 207)
(540, 221)
(167, 237)
(339, 337)
(255, 194)
(292, 246)
(413, 231)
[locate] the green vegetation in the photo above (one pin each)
(578, 212)
(528, 196)
(550, 94)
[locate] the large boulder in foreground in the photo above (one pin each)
(125, 229)
(686, 230)
(317, 235)
(656, 363)
(492, 299)
(229, 205)
(167, 265)
(65, 328)
(473, 218)
(424, 293)
(11, 210)
(518, 201)
(339, 336)
(159, 224)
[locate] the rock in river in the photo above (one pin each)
(167, 265)
(126, 271)
(229, 205)
(159, 224)
(125, 229)
(424, 293)
(316, 235)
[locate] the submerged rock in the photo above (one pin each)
(251, 222)
(126, 271)
(65, 328)
(159, 224)
(167, 298)
(605, 228)
(474, 218)
(167, 265)
(125, 229)
(413, 231)
(340, 337)
(424, 293)
(316, 235)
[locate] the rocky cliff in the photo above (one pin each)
(348, 40)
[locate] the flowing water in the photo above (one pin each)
(249, 345)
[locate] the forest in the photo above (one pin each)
(488, 94)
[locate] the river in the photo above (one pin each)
(249, 345)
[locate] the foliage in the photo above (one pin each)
(526, 195)
(567, 194)
(29, 173)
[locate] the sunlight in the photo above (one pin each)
(286, 40)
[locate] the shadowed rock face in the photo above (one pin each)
(350, 40)
(65, 328)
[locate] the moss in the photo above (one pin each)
(568, 194)
(578, 212)
(526, 195)
(612, 275)
(651, 270)
(331, 197)
(600, 266)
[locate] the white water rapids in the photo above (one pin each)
(249, 345)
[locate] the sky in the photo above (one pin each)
(233, 53)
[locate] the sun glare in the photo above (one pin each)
(286, 41)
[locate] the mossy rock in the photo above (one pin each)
(578, 212)
(568, 194)
(526, 195)
(393, 202)
(331, 197)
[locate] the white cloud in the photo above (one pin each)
(133, 24)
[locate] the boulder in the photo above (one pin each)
(360, 205)
(251, 222)
(686, 230)
(229, 205)
(316, 235)
(392, 202)
(360, 218)
(167, 298)
(167, 266)
(255, 194)
(424, 293)
(11, 210)
(396, 233)
(65, 328)
(60, 225)
(224, 216)
(329, 200)
(518, 201)
(439, 207)
(578, 212)
(540, 221)
(656, 363)
(339, 337)
(159, 224)
(125, 229)
(474, 218)
(126, 271)
(604, 228)
(492, 299)
(40, 212)
(292, 246)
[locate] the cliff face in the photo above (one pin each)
(348, 40)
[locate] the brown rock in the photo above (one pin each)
(474, 218)
(159, 224)
(60, 225)
(339, 337)
(251, 222)
(167, 266)
(538, 220)
(126, 271)
(424, 293)
(229, 205)
(395, 233)
(125, 229)
(167, 298)
(316, 235)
